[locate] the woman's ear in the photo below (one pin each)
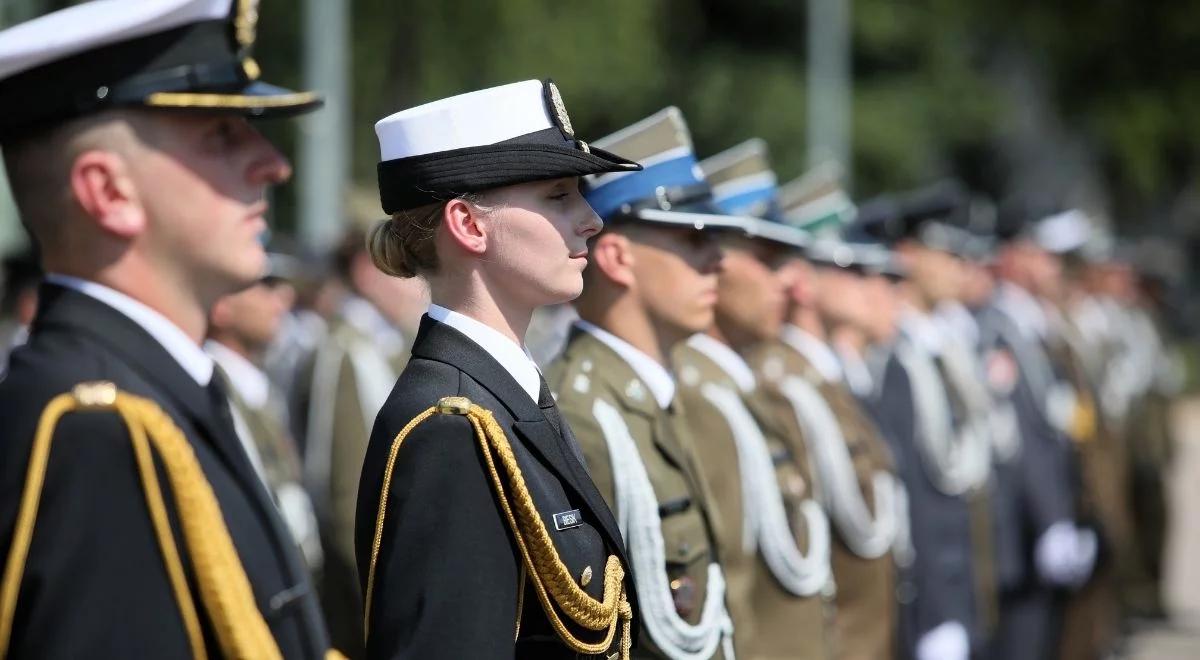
(612, 256)
(463, 226)
(102, 186)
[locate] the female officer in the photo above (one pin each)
(479, 532)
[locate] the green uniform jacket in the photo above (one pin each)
(865, 619)
(589, 371)
(770, 622)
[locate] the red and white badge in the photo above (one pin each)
(1002, 371)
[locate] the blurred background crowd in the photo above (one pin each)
(1071, 104)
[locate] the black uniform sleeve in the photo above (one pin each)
(93, 551)
(1044, 466)
(446, 579)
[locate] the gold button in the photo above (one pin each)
(586, 578)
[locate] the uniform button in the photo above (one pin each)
(635, 391)
(586, 578)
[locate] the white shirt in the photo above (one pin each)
(186, 352)
(817, 352)
(246, 378)
(957, 321)
(508, 353)
(367, 319)
(653, 374)
(250, 382)
(1023, 308)
(726, 358)
(922, 330)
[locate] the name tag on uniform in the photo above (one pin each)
(567, 520)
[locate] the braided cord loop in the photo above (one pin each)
(552, 580)
(225, 591)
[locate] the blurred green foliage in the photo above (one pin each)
(929, 99)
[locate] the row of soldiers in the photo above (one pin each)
(823, 430)
(896, 435)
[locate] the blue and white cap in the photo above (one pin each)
(669, 190)
(742, 180)
(743, 183)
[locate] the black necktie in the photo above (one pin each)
(218, 398)
(550, 411)
(549, 408)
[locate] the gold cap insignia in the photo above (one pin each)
(560, 110)
(245, 23)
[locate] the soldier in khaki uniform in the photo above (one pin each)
(650, 283)
(240, 328)
(774, 536)
(807, 385)
(342, 388)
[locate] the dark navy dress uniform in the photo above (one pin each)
(449, 578)
(443, 566)
(94, 583)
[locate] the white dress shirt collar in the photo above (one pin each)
(512, 357)
(1024, 309)
(653, 374)
(817, 352)
(250, 382)
(958, 321)
(727, 359)
(367, 319)
(922, 330)
(186, 352)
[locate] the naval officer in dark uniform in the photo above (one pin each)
(479, 532)
(126, 141)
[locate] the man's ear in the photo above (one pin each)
(463, 226)
(103, 187)
(612, 256)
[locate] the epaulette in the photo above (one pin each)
(552, 579)
(225, 590)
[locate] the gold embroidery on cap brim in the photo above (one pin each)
(245, 24)
(191, 100)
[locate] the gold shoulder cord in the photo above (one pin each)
(551, 578)
(224, 588)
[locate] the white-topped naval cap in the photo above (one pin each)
(474, 119)
(81, 28)
(1063, 232)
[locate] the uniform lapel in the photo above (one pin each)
(629, 391)
(437, 341)
(137, 349)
